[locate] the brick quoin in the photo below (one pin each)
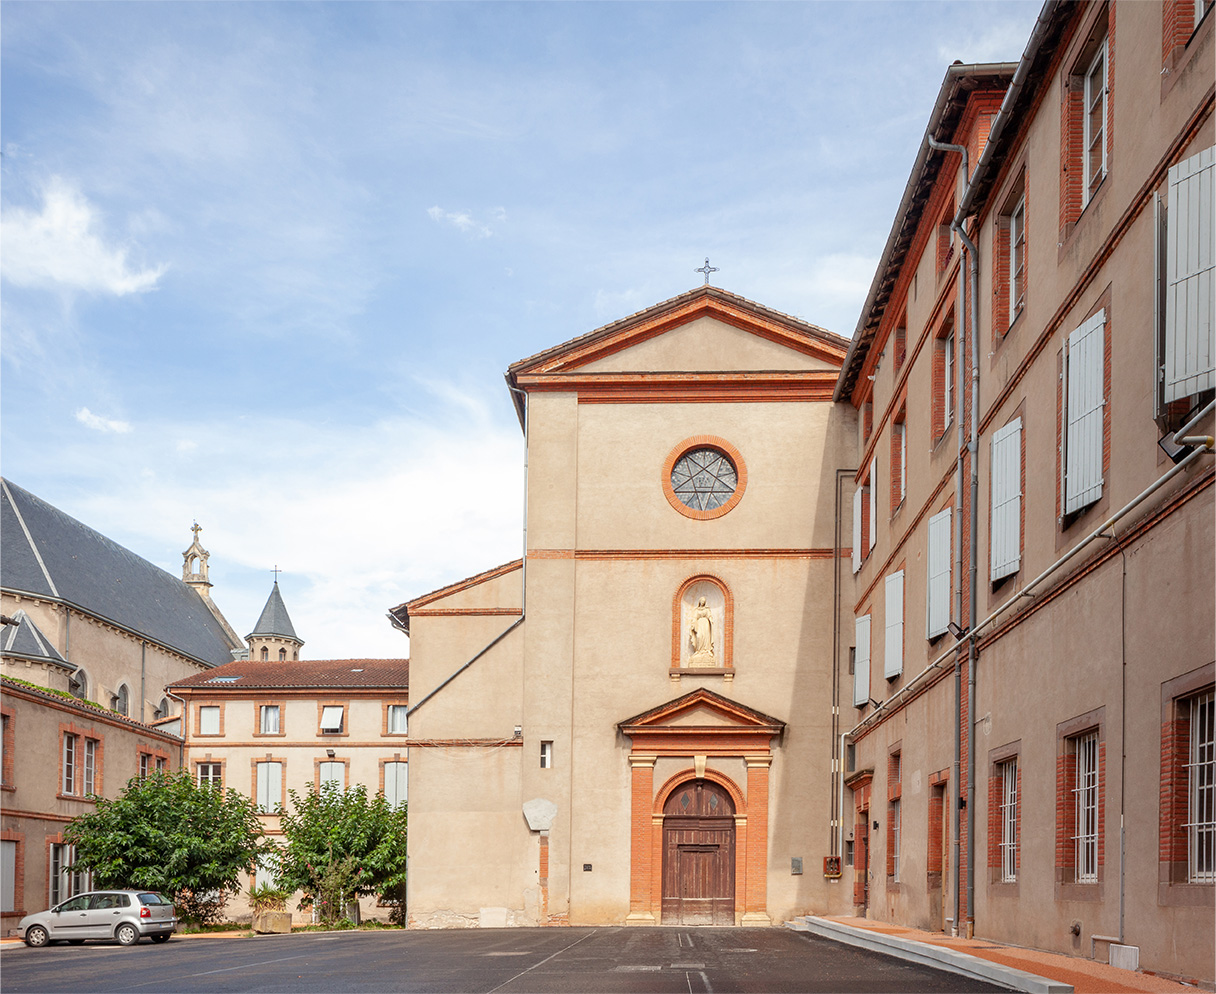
(1177, 23)
(1175, 746)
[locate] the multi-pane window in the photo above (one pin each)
(396, 784)
(546, 755)
(895, 789)
(947, 384)
(1094, 153)
(397, 722)
(209, 720)
(1201, 791)
(63, 883)
(71, 748)
(269, 719)
(1085, 802)
(210, 775)
(145, 764)
(899, 460)
(331, 719)
(1017, 260)
(1083, 413)
(269, 786)
(895, 839)
(90, 766)
(331, 773)
(1009, 819)
(122, 701)
(162, 764)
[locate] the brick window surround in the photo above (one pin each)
(384, 716)
(253, 777)
(1009, 260)
(1082, 180)
(1070, 735)
(18, 838)
(316, 770)
(208, 760)
(198, 721)
(894, 814)
(153, 753)
(81, 736)
(345, 706)
(899, 457)
(945, 375)
(1173, 885)
(257, 719)
(7, 781)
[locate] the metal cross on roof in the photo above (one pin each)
(276, 571)
(706, 269)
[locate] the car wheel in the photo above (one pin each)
(36, 935)
(163, 937)
(127, 934)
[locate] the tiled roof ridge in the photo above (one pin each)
(707, 291)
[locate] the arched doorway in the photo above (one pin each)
(699, 855)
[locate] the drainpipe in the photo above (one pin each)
(956, 779)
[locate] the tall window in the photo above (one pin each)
(938, 599)
(269, 786)
(546, 755)
(1095, 124)
(65, 884)
(71, 749)
(397, 723)
(1017, 260)
(282, 655)
(899, 459)
(269, 722)
(894, 794)
(210, 775)
(1201, 791)
(331, 773)
(1009, 819)
(893, 650)
(1084, 406)
(265, 653)
(396, 784)
(145, 765)
(861, 662)
(6, 751)
(1005, 534)
(90, 766)
(1086, 805)
(122, 701)
(209, 720)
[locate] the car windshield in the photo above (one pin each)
(152, 899)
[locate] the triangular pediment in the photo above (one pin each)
(702, 709)
(704, 330)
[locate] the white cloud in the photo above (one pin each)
(465, 222)
(60, 246)
(98, 423)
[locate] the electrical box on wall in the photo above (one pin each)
(831, 867)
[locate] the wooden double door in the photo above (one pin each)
(699, 855)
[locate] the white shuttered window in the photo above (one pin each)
(396, 784)
(893, 648)
(270, 786)
(861, 662)
(938, 600)
(1083, 404)
(1190, 356)
(858, 497)
(1006, 535)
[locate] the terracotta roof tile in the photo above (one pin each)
(328, 673)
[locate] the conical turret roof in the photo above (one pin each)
(274, 619)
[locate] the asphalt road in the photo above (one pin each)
(507, 961)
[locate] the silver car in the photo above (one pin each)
(125, 915)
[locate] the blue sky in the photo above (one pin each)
(263, 265)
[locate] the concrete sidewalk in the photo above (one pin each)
(1020, 969)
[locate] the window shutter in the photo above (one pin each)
(857, 497)
(873, 503)
(1005, 539)
(1190, 358)
(1083, 409)
(893, 649)
(938, 600)
(861, 662)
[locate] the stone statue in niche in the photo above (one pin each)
(701, 635)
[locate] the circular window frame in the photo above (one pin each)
(704, 442)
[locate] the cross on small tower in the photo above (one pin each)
(196, 528)
(706, 269)
(276, 571)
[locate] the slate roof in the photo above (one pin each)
(46, 553)
(348, 674)
(26, 641)
(274, 619)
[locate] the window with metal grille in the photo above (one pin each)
(1201, 790)
(1086, 805)
(1009, 820)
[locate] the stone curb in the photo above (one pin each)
(938, 957)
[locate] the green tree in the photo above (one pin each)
(168, 834)
(340, 844)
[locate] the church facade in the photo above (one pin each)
(635, 723)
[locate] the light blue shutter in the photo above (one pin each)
(1189, 327)
(873, 503)
(1083, 410)
(858, 494)
(396, 783)
(1005, 539)
(893, 648)
(861, 662)
(270, 786)
(938, 600)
